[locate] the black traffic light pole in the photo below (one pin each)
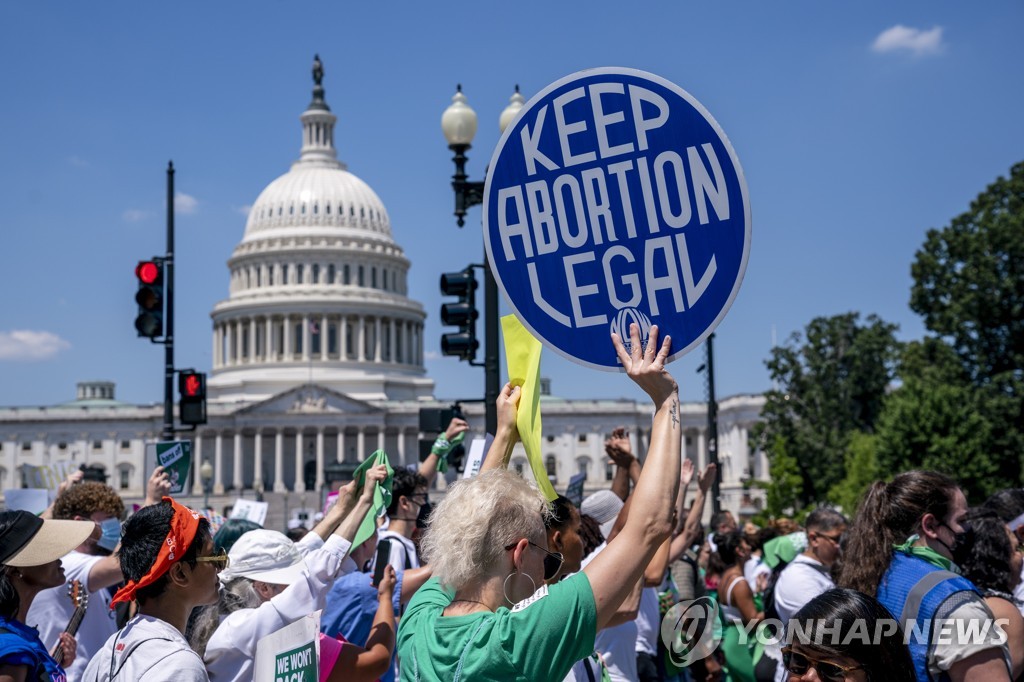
(468, 194)
(168, 430)
(716, 499)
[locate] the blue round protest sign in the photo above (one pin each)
(614, 197)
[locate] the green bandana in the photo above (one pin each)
(381, 496)
(442, 446)
(926, 553)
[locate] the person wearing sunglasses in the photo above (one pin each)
(168, 559)
(488, 614)
(269, 583)
(840, 636)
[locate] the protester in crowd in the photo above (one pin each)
(486, 543)
(354, 609)
(277, 585)
(168, 560)
(590, 533)
(30, 552)
(1009, 505)
(739, 611)
(343, 661)
(437, 460)
(991, 559)
(756, 572)
(93, 564)
(905, 531)
(296, 532)
(232, 529)
(409, 502)
(627, 467)
(845, 635)
(563, 526)
(807, 575)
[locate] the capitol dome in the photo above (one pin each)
(318, 290)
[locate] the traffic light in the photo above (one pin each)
(192, 387)
(150, 297)
(463, 314)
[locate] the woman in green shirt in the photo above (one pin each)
(482, 617)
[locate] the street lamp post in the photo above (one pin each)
(459, 124)
(206, 476)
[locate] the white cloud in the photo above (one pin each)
(134, 215)
(432, 355)
(184, 203)
(25, 344)
(78, 162)
(917, 41)
(244, 210)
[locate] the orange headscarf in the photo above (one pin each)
(184, 525)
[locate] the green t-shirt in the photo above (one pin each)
(538, 639)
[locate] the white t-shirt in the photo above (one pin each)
(51, 610)
(949, 649)
(800, 582)
(648, 622)
(402, 548)
(753, 568)
(146, 650)
(232, 648)
(617, 645)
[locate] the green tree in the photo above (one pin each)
(940, 419)
(832, 382)
(862, 470)
(969, 283)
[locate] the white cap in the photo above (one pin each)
(604, 507)
(264, 555)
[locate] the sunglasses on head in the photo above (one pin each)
(798, 664)
(552, 560)
(219, 560)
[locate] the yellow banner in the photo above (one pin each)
(522, 354)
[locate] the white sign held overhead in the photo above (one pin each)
(250, 510)
(615, 198)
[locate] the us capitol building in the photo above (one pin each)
(318, 359)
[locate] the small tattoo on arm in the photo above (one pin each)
(675, 414)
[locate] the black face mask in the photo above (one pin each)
(961, 543)
(424, 514)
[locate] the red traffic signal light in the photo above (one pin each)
(192, 386)
(150, 297)
(148, 272)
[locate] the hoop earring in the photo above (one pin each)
(504, 586)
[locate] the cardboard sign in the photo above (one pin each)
(478, 450)
(176, 458)
(250, 510)
(47, 476)
(33, 500)
(292, 654)
(615, 198)
(574, 491)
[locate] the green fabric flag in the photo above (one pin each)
(442, 447)
(784, 548)
(381, 496)
(926, 553)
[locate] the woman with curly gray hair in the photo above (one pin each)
(482, 617)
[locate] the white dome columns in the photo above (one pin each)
(318, 137)
(356, 337)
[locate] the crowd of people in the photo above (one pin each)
(499, 583)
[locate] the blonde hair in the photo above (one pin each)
(468, 531)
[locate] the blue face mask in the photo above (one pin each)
(110, 534)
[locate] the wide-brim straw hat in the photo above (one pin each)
(32, 541)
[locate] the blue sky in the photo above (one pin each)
(859, 126)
